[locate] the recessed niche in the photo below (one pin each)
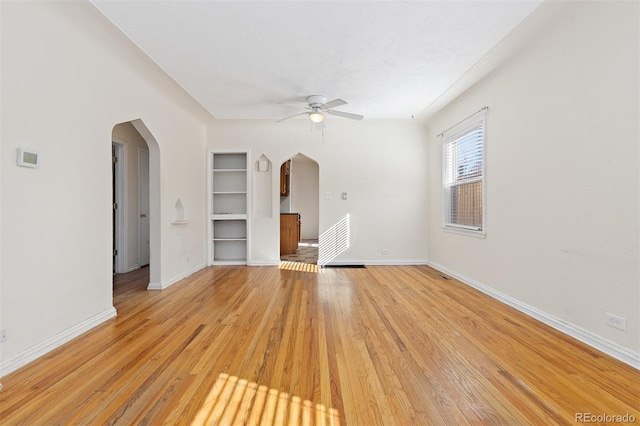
(179, 214)
(263, 187)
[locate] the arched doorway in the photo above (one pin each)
(136, 200)
(299, 209)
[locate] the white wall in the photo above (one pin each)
(562, 173)
(380, 163)
(68, 76)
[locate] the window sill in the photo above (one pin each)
(467, 232)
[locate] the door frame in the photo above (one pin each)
(292, 191)
(120, 231)
(140, 149)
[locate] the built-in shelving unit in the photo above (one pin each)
(229, 199)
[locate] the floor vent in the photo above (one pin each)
(343, 266)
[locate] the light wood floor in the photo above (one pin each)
(382, 345)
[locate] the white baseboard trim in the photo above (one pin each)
(266, 263)
(36, 351)
(154, 286)
(133, 268)
(610, 348)
(162, 286)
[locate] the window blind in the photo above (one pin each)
(463, 180)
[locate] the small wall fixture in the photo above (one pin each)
(27, 157)
(180, 220)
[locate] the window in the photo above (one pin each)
(463, 175)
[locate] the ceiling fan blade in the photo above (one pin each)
(346, 115)
(299, 106)
(291, 116)
(332, 104)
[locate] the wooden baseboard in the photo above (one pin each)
(610, 348)
(30, 354)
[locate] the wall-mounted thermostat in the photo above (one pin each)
(27, 157)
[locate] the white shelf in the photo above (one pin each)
(230, 250)
(230, 262)
(230, 181)
(229, 160)
(229, 207)
(230, 203)
(229, 192)
(229, 216)
(230, 229)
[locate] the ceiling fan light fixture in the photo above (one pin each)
(319, 108)
(316, 116)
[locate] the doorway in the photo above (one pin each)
(136, 200)
(299, 209)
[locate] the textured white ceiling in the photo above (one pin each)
(248, 59)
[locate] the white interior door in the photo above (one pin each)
(143, 199)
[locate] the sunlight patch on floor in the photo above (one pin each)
(237, 401)
(299, 266)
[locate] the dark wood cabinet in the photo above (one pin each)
(285, 178)
(289, 233)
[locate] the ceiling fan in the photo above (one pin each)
(319, 107)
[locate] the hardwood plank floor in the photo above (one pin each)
(392, 345)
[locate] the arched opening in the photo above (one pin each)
(299, 209)
(136, 193)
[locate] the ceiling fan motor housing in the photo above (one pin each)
(315, 101)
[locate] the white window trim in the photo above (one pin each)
(453, 133)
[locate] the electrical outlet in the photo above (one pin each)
(3, 336)
(385, 251)
(616, 321)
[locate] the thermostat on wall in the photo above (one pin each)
(27, 157)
